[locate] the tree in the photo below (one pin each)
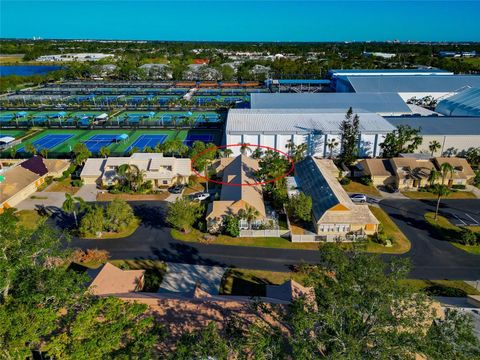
(249, 214)
(445, 169)
(245, 149)
(183, 214)
(441, 191)
(70, 206)
(231, 225)
(433, 177)
(81, 154)
(403, 140)
(118, 215)
(93, 221)
(44, 153)
(473, 156)
(434, 146)
(104, 152)
(227, 152)
(257, 153)
(132, 176)
(13, 152)
(331, 145)
(300, 207)
(350, 134)
(30, 148)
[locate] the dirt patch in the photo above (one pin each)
(132, 197)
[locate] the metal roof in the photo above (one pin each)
(388, 103)
(395, 83)
(465, 103)
(300, 121)
(440, 125)
(376, 72)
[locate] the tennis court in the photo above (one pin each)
(191, 138)
(49, 141)
(96, 142)
(144, 141)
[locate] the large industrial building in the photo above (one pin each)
(465, 103)
(455, 134)
(387, 104)
(316, 128)
(408, 87)
(334, 73)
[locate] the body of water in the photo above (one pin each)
(233, 20)
(27, 70)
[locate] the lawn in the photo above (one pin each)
(64, 186)
(400, 242)
(451, 233)
(30, 219)
(268, 242)
(422, 195)
(116, 235)
(437, 287)
(133, 197)
(356, 187)
(248, 282)
(194, 188)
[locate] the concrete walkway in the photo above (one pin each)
(88, 192)
(183, 278)
(474, 190)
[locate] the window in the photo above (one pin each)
(165, 182)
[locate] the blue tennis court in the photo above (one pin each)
(191, 138)
(49, 141)
(144, 141)
(96, 142)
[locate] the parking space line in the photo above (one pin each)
(464, 223)
(475, 221)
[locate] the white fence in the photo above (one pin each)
(263, 233)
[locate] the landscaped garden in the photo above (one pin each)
(389, 232)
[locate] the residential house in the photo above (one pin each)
(161, 170)
(379, 170)
(20, 181)
(109, 279)
(239, 191)
(462, 171)
(335, 216)
(411, 172)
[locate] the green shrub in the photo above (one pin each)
(439, 290)
(231, 226)
(49, 180)
(468, 237)
(459, 186)
(77, 183)
(152, 280)
(365, 180)
(345, 181)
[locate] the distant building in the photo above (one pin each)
(379, 54)
(82, 57)
(334, 73)
(23, 179)
(316, 128)
(162, 171)
(157, 71)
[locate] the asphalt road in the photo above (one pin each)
(431, 257)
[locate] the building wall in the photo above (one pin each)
(90, 180)
(459, 142)
(23, 194)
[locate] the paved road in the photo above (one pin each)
(431, 257)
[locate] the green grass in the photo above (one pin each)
(429, 195)
(248, 282)
(30, 219)
(141, 264)
(418, 284)
(269, 242)
(450, 232)
(356, 187)
(14, 133)
(400, 242)
(117, 235)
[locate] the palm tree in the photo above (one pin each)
(44, 152)
(300, 152)
(227, 152)
(332, 144)
(249, 214)
(30, 148)
(70, 205)
(433, 176)
(245, 148)
(446, 168)
(13, 152)
(104, 152)
(257, 153)
(434, 146)
(440, 191)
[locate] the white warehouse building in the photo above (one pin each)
(275, 127)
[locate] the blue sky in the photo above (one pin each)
(233, 20)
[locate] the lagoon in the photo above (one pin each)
(27, 70)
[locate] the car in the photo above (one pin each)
(360, 198)
(177, 189)
(201, 196)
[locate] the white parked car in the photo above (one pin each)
(360, 198)
(201, 196)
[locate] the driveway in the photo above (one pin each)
(182, 278)
(42, 199)
(431, 257)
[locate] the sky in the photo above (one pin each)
(240, 20)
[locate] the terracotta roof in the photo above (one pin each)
(108, 279)
(236, 171)
(463, 170)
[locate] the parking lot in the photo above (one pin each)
(462, 217)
